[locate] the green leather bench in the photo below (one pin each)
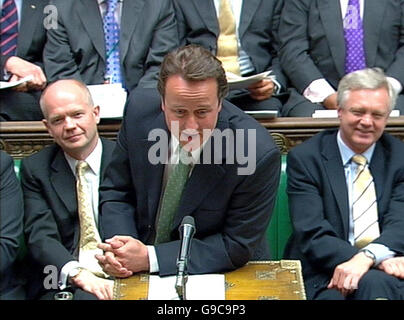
(278, 230)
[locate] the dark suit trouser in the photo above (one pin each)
(78, 294)
(374, 285)
(20, 106)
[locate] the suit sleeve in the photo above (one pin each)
(11, 213)
(246, 219)
(117, 198)
(43, 237)
(59, 62)
(294, 45)
(396, 69)
(165, 39)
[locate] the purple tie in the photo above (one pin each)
(9, 28)
(111, 33)
(353, 33)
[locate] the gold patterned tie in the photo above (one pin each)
(227, 46)
(89, 236)
(366, 226)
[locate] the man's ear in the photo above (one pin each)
(45, 122)
(96, 112)
(163, 106)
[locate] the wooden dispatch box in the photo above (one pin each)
(257, 280)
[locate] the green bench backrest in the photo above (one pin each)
(280, 227)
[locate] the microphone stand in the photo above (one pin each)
(181, 281)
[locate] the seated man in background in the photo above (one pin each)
(150, 185)
(346, 198)
(243, 35)
(11, 233)
(138, 33)
(60, 221)
(22, 39)
(321, 41)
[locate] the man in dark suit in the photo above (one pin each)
(257, 25)
(11, 234)
(22, 102)
(76, 48)
(231, 200)
(52, 224)
(322, 178)
(313, 48)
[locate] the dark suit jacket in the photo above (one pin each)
(76, 49)
(11, 222)
(318, 201)
(231, 211)
(51, 221)
(313, 45)
(31, 41)
(198, 24)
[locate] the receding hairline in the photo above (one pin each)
(68, 82)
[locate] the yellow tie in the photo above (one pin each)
(89, 236)
(227, 47)
(366, 226)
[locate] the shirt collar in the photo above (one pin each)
(347, 153)
(93, 160)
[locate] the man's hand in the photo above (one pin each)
(123, 256)
(393, 266)
(102, 288)
(262, 90)
(347, 275)
(331, 101)
(20, 68)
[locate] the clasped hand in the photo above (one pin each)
(123, 256)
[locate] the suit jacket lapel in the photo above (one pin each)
(377, 168)
(64, 183)
(372, 20)
(248, 10)
(207, 11)
(90, 16)
(130, 12)
(330, 12)
(30, 10)
(336, 175)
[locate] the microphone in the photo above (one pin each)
(187, 231)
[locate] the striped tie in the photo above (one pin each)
(9, 28)
(366, 226)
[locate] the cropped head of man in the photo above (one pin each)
(192, 85)
(365, 100)
(71, 117)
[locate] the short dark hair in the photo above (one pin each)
(193, 63)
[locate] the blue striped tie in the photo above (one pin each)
(111, 34)
(9, 28)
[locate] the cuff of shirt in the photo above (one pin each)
(278, 87)
(318, 90)
(64, 273)
(380, 251)
(154, 264)
(397, 87)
